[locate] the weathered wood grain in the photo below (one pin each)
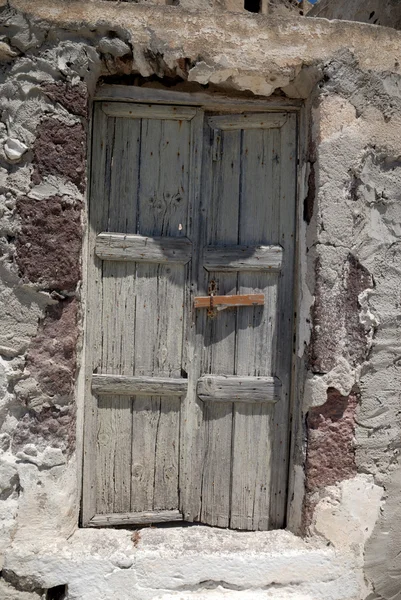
(215, 388)
(248, 121)
(242, 258)
(162, 212)
(209, 100)
(131, 386)
(191, 418)
(285, 320)
(255, 349)
(113, 469)
(221, 223)
(97, 220)
(142, 248)
(189, 414)
(148, 111)
(135, 518)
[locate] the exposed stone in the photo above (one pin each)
(8, 592)
(22, 34)
(5, 441)
(59, 149)
(330, 451)
(51, 425)
(114, 46)
(9, 480)
(49, 244)
(337, 328)
(51, 358)
(14, 149)
(49, 458)
(73, 97)
(6, 52)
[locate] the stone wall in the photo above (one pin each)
(345, 478)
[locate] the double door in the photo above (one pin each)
(189, 316)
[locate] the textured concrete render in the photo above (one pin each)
(345, 480)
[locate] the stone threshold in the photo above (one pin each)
(185, 563)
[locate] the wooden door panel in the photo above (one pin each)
(221, 388)
(140, 252)
(188, 414)
(244, 255)
(242, 258)
(224, 168)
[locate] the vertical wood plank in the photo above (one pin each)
(98, 209)
(252, 438)
(118, 325)
(285, 318)
(163, 205)
(220, 332)
(191, 421)
(115, 423)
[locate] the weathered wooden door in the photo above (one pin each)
(186, 407)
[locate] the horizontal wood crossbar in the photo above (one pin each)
(218, 388)
(135, 518)
(228, 301)
(248, 121)
(140, 248)
(148, 111)
(145, 386)
(242, 258)
(134, 94)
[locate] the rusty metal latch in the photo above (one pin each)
(214, 303)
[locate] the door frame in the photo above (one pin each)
(206, 101)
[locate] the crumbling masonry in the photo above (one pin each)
(343, 525)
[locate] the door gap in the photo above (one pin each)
(252, 5)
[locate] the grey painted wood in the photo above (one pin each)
(145, 111)
(215, 101)
(130, 386)
(219, 333)
(135, 518)
(113, 464)
(142, 248)
(248, 121)
(252, 439)
(219, 388)
(242, 258)
(156, 446)
(285, 321)
(192, 430)
(162, 211)
(97, 220)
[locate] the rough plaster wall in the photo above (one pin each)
(355, 344)
(52, 56)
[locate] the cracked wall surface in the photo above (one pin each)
(345, 479)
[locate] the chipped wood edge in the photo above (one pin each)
(242, 258)
(145, 386)
(248, 121)
(133, 94)
(135, 518)
(140, 248)
(219, 388)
